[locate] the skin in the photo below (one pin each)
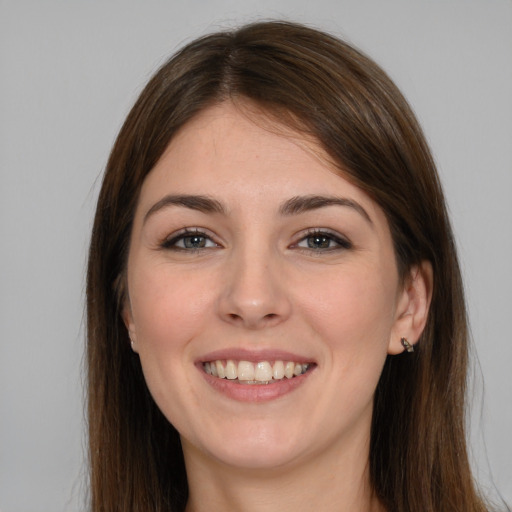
(257, 285)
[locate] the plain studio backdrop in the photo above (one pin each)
(70, 71)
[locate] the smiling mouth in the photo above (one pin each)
(262, 372)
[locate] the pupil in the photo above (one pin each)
(194, 242)
(318, 242)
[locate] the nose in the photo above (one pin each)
(254, 292)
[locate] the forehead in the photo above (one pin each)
(236, 148)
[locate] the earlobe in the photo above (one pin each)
(132, 342)
(130, 325)
(412, 309)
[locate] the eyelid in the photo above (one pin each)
(169, 242)
(342, 241)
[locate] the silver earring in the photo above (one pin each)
(405, 343)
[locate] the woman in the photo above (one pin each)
(275, 309)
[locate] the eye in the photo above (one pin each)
(189, 240)
(323, 241)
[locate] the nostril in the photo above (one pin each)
(251, 321)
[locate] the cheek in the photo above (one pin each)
(353, 311)
(167, 310)
(168, 313)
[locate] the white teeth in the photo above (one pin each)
(231, 372)
(245, 370)
(278, 370)
(289, 370)
(220, 369)
(262, 372)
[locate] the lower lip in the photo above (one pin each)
(255, 392)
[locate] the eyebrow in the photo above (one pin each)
(200, 203)
(294, 206)
(301, 204)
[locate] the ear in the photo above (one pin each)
(413, 304)
(129, 323)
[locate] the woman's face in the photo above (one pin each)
(250, 255)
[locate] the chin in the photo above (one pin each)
(256, 447)
(258, 457)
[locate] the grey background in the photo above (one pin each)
(70, 70)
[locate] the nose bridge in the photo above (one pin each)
(253, 294)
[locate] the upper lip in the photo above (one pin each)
(254, 356)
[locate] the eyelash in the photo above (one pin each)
(171, 243)
(341, 242)
(327, 236)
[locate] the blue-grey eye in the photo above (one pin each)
(319, 242)
(189, 241)
(193, 242)
(323, 241)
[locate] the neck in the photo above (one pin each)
(334, 481)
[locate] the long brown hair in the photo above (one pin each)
(326, 89)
